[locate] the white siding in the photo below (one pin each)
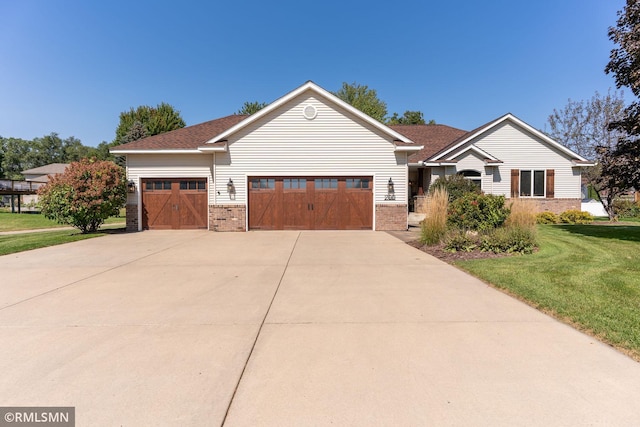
(168, 166)
(519, 149)
(285, 143)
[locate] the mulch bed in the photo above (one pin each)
(439, 252)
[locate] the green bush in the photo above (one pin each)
(626, 208)
(520, 240)
(456, 186)
(460, 241)
(547, 218)
(478, 212)
(575, 216)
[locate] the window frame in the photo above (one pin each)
(532, 184)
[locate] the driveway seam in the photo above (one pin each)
(87, 277)
(253, 346)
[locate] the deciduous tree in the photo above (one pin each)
(249, 108)
(154, 120)
(364, 99)
(408, 118)
(624, 64)
(87, 193)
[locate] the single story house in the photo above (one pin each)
(40, 176)
(310, 161)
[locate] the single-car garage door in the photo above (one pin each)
(310, 203)
(174, 203)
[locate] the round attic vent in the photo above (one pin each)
(310, 112)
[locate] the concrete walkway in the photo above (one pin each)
(290, 329)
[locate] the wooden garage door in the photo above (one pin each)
(174, 203)
(311, 203)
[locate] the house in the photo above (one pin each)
(39, 176)
(311, 161)
(504, 157)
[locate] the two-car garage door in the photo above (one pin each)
(310, 203)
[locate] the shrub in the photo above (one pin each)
(479, 212)
(514, 239)
(86, 194)
(574, 216)
(626, 208)
(455, 185)
(522, 213)
(460, 241)
(547, 218)
(434, 226)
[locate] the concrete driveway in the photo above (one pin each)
(290, 329)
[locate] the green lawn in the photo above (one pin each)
(33, 221)
(587, 275)
(12, 243)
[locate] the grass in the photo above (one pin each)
(33, 221)
(586, 275)
(12, 243)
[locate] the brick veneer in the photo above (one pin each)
(132, 217)
(391, 217)
(227, 217)
(555, 205)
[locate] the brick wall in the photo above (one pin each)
(132, 217)
(391, 217)
(227, 217)
(555, 205)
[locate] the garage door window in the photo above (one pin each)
(326, 183)
(157, 185)
(263, 184)
(193, 185)
(357, 183)
(295, 183)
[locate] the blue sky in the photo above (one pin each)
(71, 67)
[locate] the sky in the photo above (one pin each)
(72, 67)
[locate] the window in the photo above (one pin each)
(326, 183)
(157, 185)
(294, 183)
(532, 183)
(192, 185)
(358, 183)
(473, 176)
(263, 183)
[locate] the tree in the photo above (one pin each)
(364, 99)
(585, 127)
(154, 120)
(87, 193)
(17, 156)
(624, 64)
(408, 118)
(249, 108)
(582, 126)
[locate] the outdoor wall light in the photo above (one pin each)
(390, 186)
(230, 187)
(131, 186)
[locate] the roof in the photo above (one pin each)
(398, 139)
(433, 138)
(186, 138)
(444, 153)
(50, 169)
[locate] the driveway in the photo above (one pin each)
(290, 329)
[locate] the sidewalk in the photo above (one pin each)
(42, 230)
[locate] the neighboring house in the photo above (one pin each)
(311, 161)
(504, 157)
(41, 175)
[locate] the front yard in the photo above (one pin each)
(586, 275)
